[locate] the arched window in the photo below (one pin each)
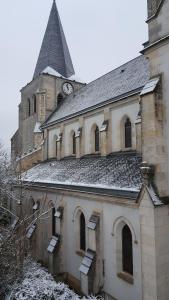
(128, 134)
(56, 148)
(82, 232)
(53, 222)
(29, 107)
(127, 250)
(74, 143)
(34, 104)
(59, 99)
(97, 139)
(54, 144)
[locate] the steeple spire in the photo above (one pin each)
(54, 51)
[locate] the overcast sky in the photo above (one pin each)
(101, 35)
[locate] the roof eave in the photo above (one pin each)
(162, 40)
(132, 195)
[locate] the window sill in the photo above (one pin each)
(80, 253)
(128, 149)
(126, 277)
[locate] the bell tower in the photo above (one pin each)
(53, 80)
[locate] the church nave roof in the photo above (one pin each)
(117, 174)
(125, 80)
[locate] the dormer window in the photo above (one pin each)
(59, 99)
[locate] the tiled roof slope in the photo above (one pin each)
(54, 51)
(117, 172)
(125, 79)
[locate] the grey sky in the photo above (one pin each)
(101, 35)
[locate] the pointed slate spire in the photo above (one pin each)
(54, 51)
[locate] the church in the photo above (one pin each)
(95, 164)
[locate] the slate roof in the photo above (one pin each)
(125, 80)
(118, 172)
(54, 51)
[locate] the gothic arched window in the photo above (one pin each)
(34, 103)
(29, 107)
(59, 99)
(74, 143)
(127, 250)
(128, 134)
(97, 139)
(82, 232)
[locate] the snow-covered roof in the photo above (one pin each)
(125, 80)
(120, 172)
(150, 86)
(154, 197)
(37, 128)
(51, 71)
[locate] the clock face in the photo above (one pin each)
(67, 88)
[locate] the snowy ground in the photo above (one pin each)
(38, 284)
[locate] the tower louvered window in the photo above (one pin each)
(29, 107)
(74, 144)
(127, 250)
(82, 232)
(128, 134)
(59, 99)
(97, 139)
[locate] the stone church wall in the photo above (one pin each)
(113, 140)
(70, 257)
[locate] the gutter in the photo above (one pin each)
(87, 190)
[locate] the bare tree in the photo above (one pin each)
(14, 224)
(10, 236)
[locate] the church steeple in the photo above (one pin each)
(54, 51)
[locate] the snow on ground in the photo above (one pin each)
(38, 284)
